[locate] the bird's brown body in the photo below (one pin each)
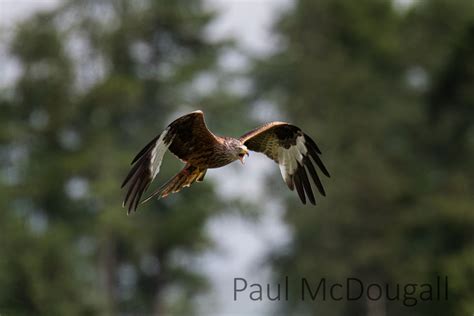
(191, 141)
(217, 157)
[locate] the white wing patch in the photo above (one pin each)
(158, 152)
(289, 159)
(284, 164)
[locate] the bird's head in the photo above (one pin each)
(242, 151)
(237, 150)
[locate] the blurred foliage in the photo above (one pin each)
(387, 91)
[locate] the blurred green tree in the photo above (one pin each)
(390, 95)
(97, 79)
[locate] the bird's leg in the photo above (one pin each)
(188, 169)
(201, 176)
(186, 177)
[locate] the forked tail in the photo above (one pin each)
(184, 178)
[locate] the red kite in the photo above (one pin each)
(190, 140)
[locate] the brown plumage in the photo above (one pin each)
(190, 140)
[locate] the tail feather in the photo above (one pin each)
(184, 178)
(201, 176)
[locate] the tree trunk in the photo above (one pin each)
(376, 307)
(158, 305)
(108, 265)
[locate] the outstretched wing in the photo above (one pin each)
(185, 137)
(293, 150)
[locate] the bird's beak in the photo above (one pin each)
(242, 159)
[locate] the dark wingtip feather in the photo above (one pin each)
(299, 187)
(312, 171)
(322, 167)
(129, 175)
(314, 151)
(312, 143)
(131, 193)
(137, 181)
(318, 161)
(306, 184)
(138, 194)
(139, 177)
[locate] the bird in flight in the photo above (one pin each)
(190, 140)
